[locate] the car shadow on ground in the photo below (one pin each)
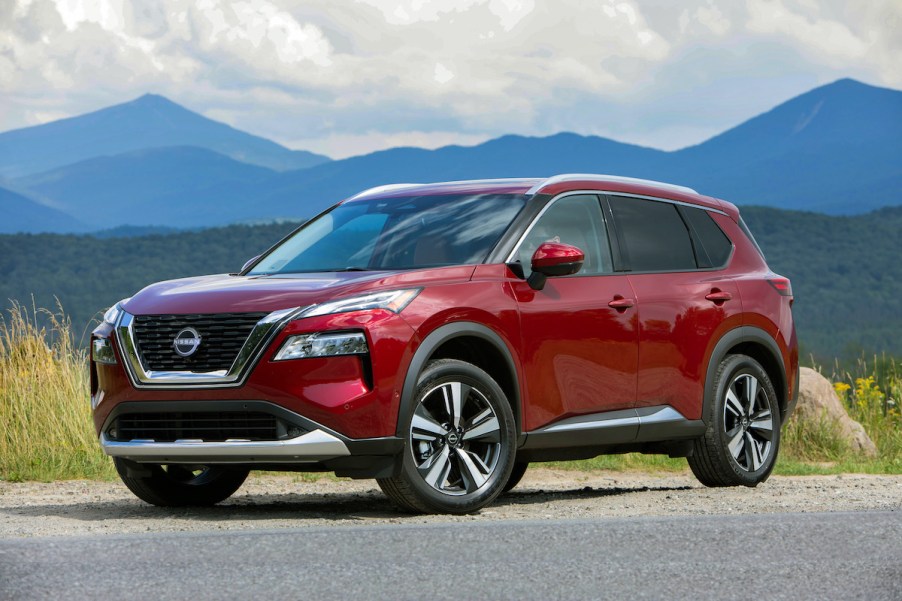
(356, 506)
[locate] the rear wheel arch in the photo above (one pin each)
(760, 346)
(470, 342)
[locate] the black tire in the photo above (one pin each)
(742, 438)
(178, 485)
(460, 442)
(516, 475)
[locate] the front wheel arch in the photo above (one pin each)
(448, 333)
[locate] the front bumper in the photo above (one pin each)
(309, 446)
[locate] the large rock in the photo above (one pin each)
(817, 398)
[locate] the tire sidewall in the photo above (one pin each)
(733, 367)
(435, 374)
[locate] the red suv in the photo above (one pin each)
(441, 337)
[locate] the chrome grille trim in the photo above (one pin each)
(260, 337)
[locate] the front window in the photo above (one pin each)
(397, 233)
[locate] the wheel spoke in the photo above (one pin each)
(472, 469)
(455, 398)
(424, 427)
(435, 469)
(734, 406)
(751, 391)
(736, 439)
(484, 424)
(762, 425)
(752, 453)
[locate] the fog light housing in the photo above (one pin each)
(102, 351)
(331, 344)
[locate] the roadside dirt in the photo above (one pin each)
(271, 502)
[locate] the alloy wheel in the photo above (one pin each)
(455, 438)
(748, 423)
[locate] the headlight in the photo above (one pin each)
(112, 314)
(323, 344)
(394, 300)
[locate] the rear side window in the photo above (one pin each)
(715, 247)
(655, 235)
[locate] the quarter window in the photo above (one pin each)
(655, 236)
(715, 246)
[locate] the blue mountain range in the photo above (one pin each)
(835, 149)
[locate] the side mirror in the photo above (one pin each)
(553, 259)
(248, 263)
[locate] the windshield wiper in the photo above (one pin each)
(352, 269)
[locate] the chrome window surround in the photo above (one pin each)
(513, 254)
(257, 342)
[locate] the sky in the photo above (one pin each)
(344, 77)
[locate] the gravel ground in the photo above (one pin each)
(271, 502)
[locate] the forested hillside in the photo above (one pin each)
(88, 274)
(846, 271)
(846, 274)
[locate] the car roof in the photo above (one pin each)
(551, 186)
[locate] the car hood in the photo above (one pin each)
(238, 294)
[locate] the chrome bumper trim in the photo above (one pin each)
(310, 447)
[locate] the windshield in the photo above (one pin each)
(397, 233)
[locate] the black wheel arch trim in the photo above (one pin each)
(740, 335)
(436, 339)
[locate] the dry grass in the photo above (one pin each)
(44, 401)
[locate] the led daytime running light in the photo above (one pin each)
(323, 344)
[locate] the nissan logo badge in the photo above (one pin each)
(186, 342)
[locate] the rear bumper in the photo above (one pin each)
(794, 397)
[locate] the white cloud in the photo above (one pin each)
(349, 77)
(442, 73)
(819, 35)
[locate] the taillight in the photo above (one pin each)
(781, 285)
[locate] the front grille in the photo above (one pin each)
(209, 426)
(222, 336)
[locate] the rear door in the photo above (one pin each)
(676, 256)
(579, 354)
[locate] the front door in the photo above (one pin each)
(579, 354)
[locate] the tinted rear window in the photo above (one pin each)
(655, 235)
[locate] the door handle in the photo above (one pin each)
(621, 304)
(718, 296)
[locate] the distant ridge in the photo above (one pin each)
(19, 213)
(152, 187)
(150, 121)
(834, 149)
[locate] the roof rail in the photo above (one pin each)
(384, 188)
(569, 177)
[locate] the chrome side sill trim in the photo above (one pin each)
(310, 447)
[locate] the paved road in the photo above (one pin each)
(781, 556)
